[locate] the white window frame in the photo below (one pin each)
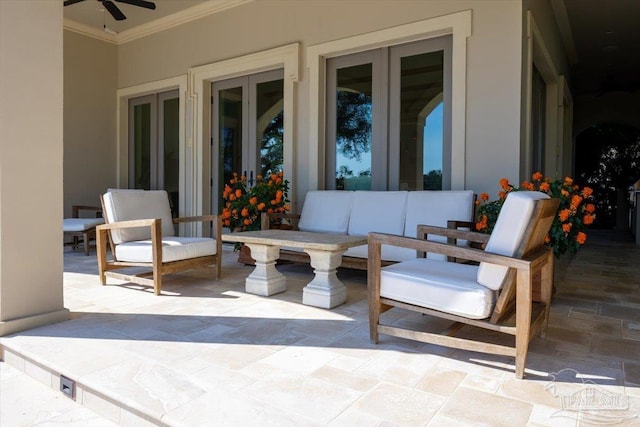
(457, 24)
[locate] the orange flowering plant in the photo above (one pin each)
(243, 205)
(576, 210)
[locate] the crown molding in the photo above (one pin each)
(88, 31)
(161, 24)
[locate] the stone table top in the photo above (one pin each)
(297, 239)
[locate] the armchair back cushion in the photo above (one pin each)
(508, 233)
(326, 211)
(130, 205)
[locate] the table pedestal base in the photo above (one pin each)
(325, 290)
(265, 279)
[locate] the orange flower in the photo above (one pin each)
(581, 238)
(238, 193)
(279, 195)
(244, 212)
(568, 180)
(537, 176)
(502, 195)
(484, 196)
(253, 201)
(504, 183)
(586, 192)
(273, 202)
(246, 221)
(527, 186)
(261, 206)
(588, 219)
(591, 208)
(226, 213)
(575, 201)
(545, 187)
(564, 193)
(566, 227)
(232, 181)
(232, 197)
(564, 214)
(226, 223)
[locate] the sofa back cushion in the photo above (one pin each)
(379, 211)
(436, 208)
(508, 232)
(129, 205)
(326, 211)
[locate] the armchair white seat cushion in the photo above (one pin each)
(326, 211)
(173, 249)
(443, 286)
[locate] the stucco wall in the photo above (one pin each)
(30, 164)
(90, 80)
(493, 62)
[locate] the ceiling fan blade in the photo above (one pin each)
(140, 3)
(70, 2)
(113, 10)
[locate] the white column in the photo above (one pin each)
(31, 147)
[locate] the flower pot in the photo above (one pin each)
(244, 256)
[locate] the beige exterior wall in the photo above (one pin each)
(542, 45)
(493, 63)
(31, 85)
(90, 82)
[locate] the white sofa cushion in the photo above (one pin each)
(326, 211)
(379, 211)
(129, 205)
(80, 224)
(173, 249)
(436, 208)
(443, 286)
(508, 232)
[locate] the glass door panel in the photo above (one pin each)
(270, 126)
(142, 136)
(230, 132)
(421, 92)
(170, 147)
(419, 96)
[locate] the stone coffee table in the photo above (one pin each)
(325, 251)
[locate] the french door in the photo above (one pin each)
(388, 118)
(247, 129)
(154, 144)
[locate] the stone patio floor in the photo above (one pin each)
(206, 353)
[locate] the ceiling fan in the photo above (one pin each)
(114, 10)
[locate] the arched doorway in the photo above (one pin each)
(607, 159)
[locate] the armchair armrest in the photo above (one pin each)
(526, 263)
(265, 219)
(475, 239)
(201, 218)
(128, 224)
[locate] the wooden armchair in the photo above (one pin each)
(495, 295)
(141, 233)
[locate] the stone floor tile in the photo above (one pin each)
(440, 381)
(400, 405)
(486, 408)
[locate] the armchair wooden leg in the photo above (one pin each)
(101, 249)
(523, 319)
